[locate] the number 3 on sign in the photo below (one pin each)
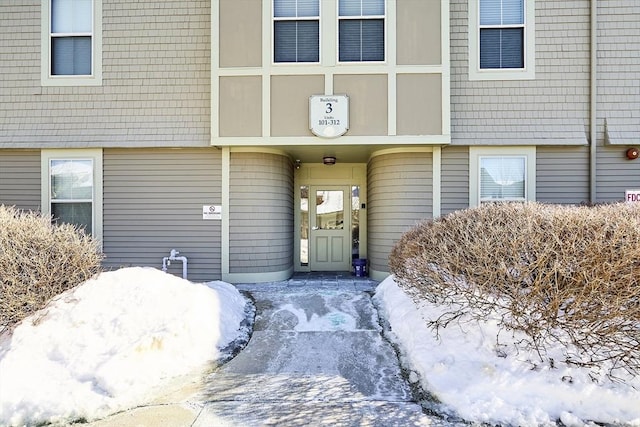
(328, 115)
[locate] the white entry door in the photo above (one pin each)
(330, 223)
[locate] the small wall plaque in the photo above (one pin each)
(329, 115)
(211, 212)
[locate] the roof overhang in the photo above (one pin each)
(616, 132)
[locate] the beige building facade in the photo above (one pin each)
(397, 110)
(265, 137)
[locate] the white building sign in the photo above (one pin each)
(211, 212)
(329, 115)
(632, 196)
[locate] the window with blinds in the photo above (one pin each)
(361, 30)
(296, 30)
(502, 34)
(71, 192)
(502, 178)
(71, 35)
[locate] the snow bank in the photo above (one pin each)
(107, 344)
(463, 368)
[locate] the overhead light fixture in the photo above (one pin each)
(329, 160)
(297, 164)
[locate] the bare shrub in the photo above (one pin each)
(558, 273)
(38, 261)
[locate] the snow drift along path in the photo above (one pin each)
(108, 344)
(462, 368)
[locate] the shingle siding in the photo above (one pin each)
(156, 80)
(552, 109)
(619, 69)
(156, 93)
(153, 203)
(618, 97)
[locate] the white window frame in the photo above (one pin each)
(95, 155)
(361, 18)
(526, 73)
(46, 78)
(274, 19)
(477, 153)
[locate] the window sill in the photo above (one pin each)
(71, 80)
(506, 74)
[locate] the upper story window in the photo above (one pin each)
(71, 34)
(361, 30)
(501, 39)
(296, 30)
(71, 42)
(501, 34)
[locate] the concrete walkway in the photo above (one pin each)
(316, 357)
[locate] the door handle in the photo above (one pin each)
(315, 228)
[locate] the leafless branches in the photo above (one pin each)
(560, 274)
(38, 261)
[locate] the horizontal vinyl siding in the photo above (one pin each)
(156, 69)
(400, 194)
(616, 174)
(261, 213)
(153, 203)
(562, 175)
(454, 179)
(20, 179)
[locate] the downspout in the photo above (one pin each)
(593, 149)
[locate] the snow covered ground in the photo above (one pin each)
(111, 343)
(472, 380)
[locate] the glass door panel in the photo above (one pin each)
(330, 239)
(304, 225)
(329, 209)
